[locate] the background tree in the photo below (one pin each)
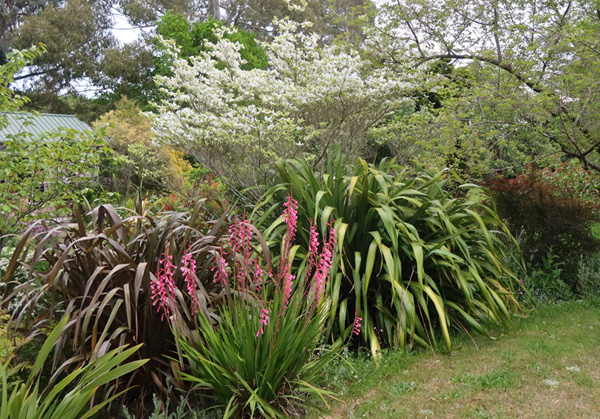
(139, 163)
(535, 65)
(239, 123)
(76, 34)
(39, 175)
(12, 13)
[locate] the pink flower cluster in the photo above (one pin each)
(240, 237)
(220, 268)
(357, 325)
(291, 219)
(287, 287)
(163, 286)
(264, 321)
(313, 249)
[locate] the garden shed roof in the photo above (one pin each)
(25, 122)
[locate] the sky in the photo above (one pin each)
(123, 31)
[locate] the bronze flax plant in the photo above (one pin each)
(100, 274)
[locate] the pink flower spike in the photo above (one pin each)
(240, 238)
(258, 275)
(313, 248)
(357, 325)
(220, 269)
(291, 219)
(191, 280)
(325, 261)
(287, 287)
(163, 286)
(264, 321)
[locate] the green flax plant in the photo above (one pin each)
(260, 354)
(417, 258)
(70, 397)
(102, 274)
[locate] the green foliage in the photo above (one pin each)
(492, 379)
(595, 230)
(138, 162)
(69, 397)
(260, 374)
(42, 174)
(546, 280)
(101, 274)
(195, 38)
(588, 275)
(8, 344)
(524, 100)
(555, 208)
(77, 35)
(15, 61)
(182, 410)
(417, 257)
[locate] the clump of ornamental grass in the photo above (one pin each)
(259, 353)
(71, 397)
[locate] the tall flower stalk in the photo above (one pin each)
(261, 352)
(163, 286)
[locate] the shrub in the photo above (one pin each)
(556, 208)
(545, 280)
(588, 275)
(415, 261)
(103, 275)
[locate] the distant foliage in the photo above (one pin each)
(194, 38)
(556, 208)
(139, 162)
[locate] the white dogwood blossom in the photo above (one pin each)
(239, 123)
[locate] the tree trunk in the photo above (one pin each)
(214, 9)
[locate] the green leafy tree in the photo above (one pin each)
(12, 13)
(39, 175)
(192, 39)
(139, 162)
(534, 68)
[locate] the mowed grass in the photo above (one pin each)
(547, 365)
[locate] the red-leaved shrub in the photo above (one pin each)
(555, 208)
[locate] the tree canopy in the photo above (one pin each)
(534, 68)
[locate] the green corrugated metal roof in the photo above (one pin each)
(24, 122)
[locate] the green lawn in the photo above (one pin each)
(548, 365)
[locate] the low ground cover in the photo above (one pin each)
(545, 366)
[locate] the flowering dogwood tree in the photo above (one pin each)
(239, 123)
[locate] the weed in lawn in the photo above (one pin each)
(508, 355)
(492, 379)
(482, 412)
(401, 388)
(537, 346)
